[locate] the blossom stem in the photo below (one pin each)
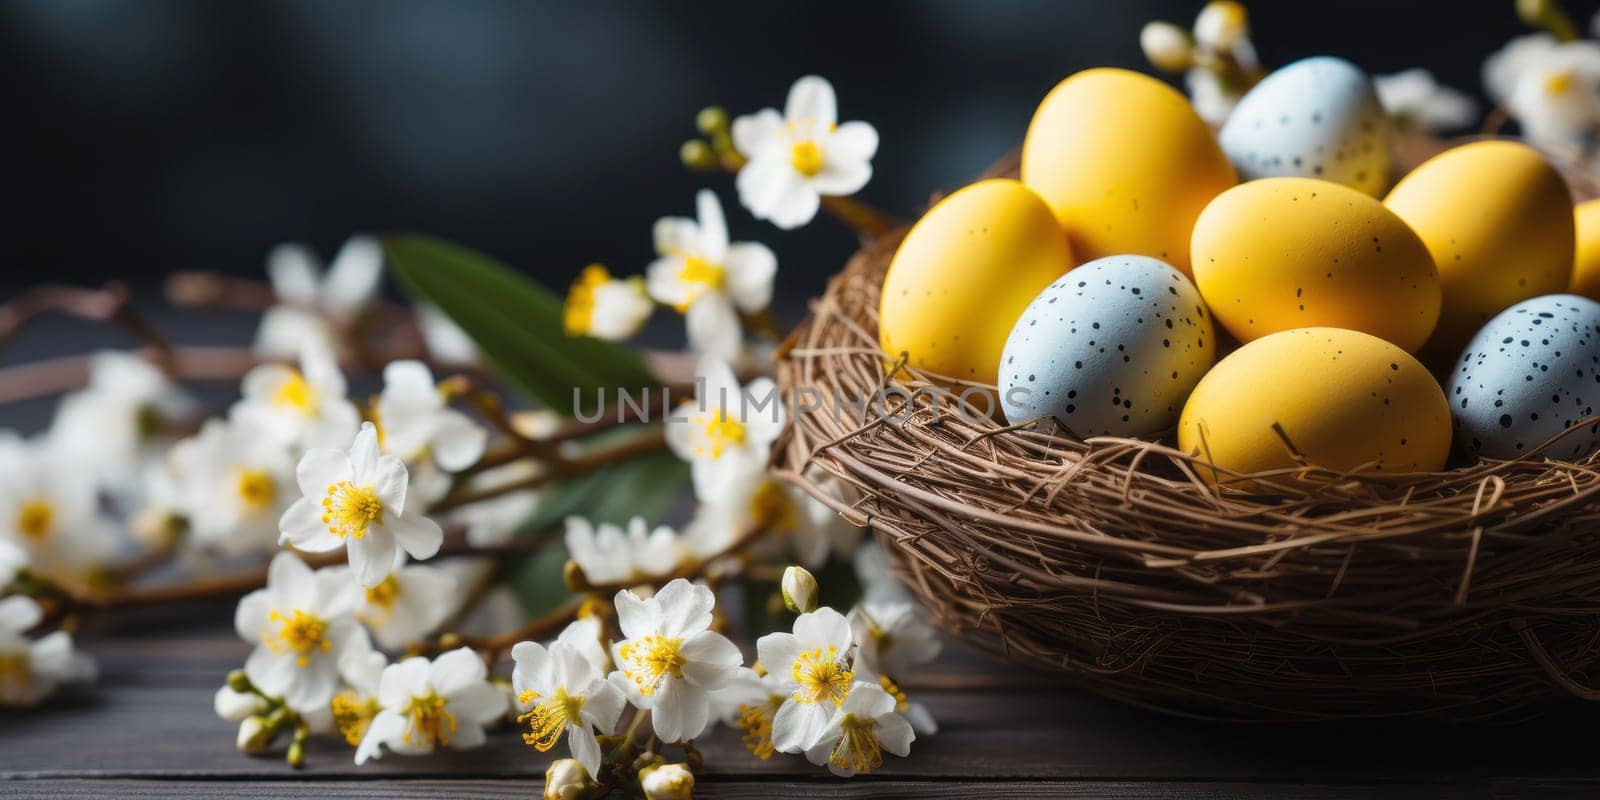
(492, 646)
(651, 440)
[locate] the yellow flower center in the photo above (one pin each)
(15, 675)
(1559, 83)
(721, 433)
(772, 509)
(858, 748)
(578, 312)
(349, 509)
(295, 393)
(430, 723)
(702, 276)
(820, 676)
(352, 715)
(548, 719)
(805, 157)
(35, 519)
(755, 726)
(256, 489)
(649, 660)
(384, 594)
(296, 632)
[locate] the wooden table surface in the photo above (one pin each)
(146, 729)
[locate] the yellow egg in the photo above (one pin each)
(1346, 400)
(1283, 253)
(965, 273)
(1125, 164)
(1498, 220)
(1586, 263)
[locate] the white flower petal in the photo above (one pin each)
(759, 133)
(301, 525)
(585, 748)
(321, 468)
(811, 103)
(293, 271)
(353, 278)
(751, 268)
(420, 536)
(714, 328)
(713, 227)
(459, 442)
(371, 556)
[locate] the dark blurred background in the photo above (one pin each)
(143, 137)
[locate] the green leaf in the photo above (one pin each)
(516, 324)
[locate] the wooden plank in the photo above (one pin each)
(774, 790)
(143, 728)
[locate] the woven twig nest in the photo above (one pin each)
(1469, 594)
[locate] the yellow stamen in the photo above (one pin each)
(702, 277)
(901, 705)
(1559, 83)
(650, 660)
(858, 748)
(820, 676)
(430, 723)
(755, 726)
(35, 519)
(721, 433)
(297, 632)
(383, 595)
(352, 715)
(772, 509)
(349, 509)
(256, 489)
(295, 393)
(806, 158)
(578, 312)
(548, 719)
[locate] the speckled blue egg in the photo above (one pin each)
(1530, 373)
(1315, 118)
(1111, 348)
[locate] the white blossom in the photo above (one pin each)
(566, 779)
(311, 302)
(445, 339)
(111, 426)
(610, 554)
(585, 635)
(667, 782)
(893, 637)
(31, 670)
(416, 423)
(356, 499)
(669, 662)
(813, 665)
(860, 731)
(304, 407)
(352, 710)
(727, 431)
(1415, 100)
(301, 624)
(233, 485)
(604, 307)
(412, 602)
(749, 703)
(710, 280)
(560, 692)
(427, 704)
(1551, 88)
(795, 157)
(50, 510)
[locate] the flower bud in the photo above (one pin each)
(239, 681)
(667, 782)
(297, 753)
(1221, 26)
(1167, 47)
(566, 779)
(711, 120)
(696, 154)
(233, 705)
(799, 590)
(255, 735)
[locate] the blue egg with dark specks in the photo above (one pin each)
(1111, 348)
(1316, 118)
(1530, 373)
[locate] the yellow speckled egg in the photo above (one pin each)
(1586, 262)
(1345, 399)
(965, 273)
(1498, 220)
(1125, 164)
(1283, 253)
